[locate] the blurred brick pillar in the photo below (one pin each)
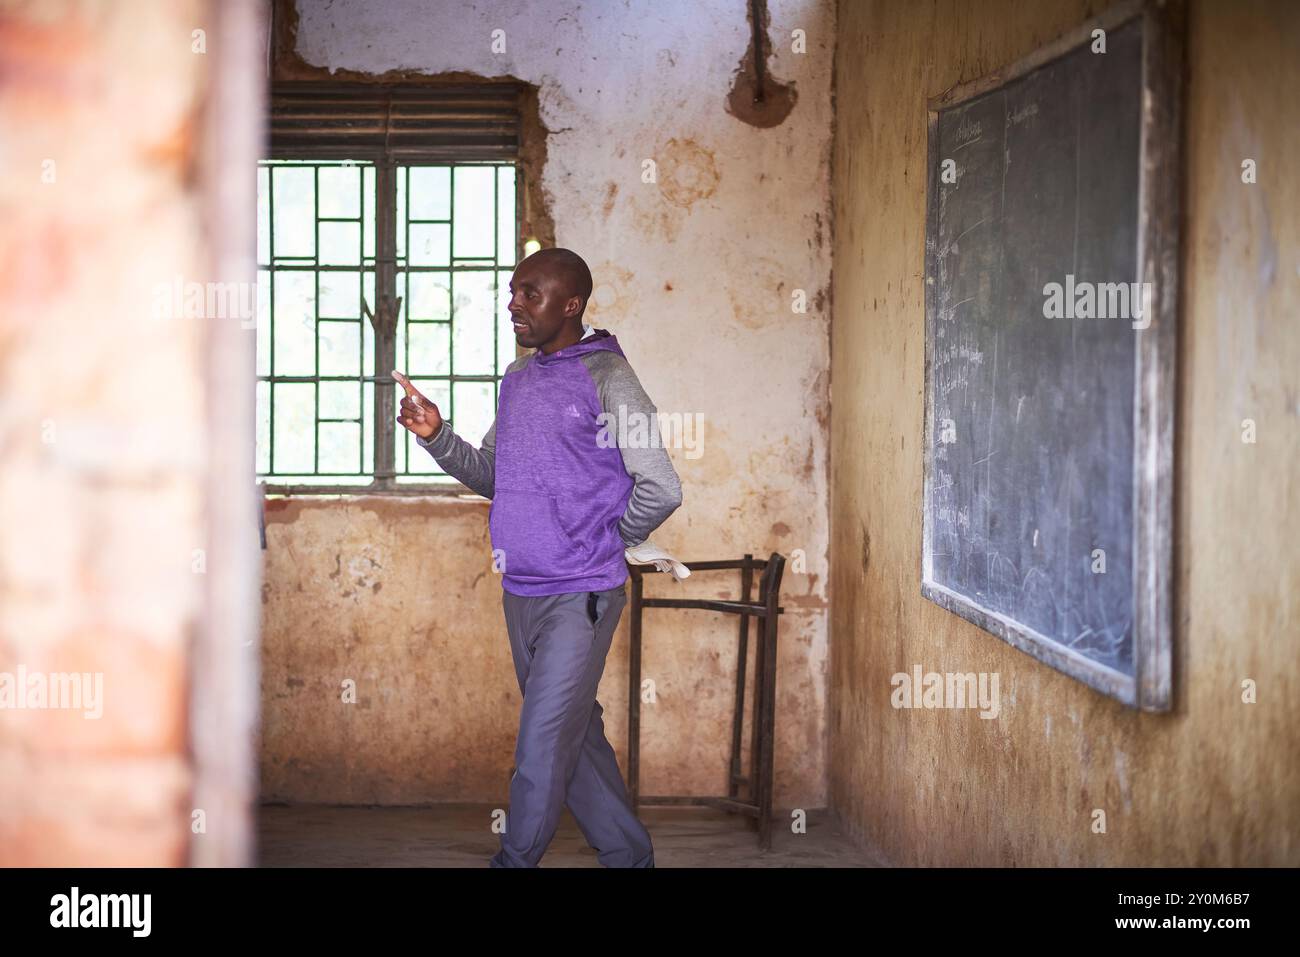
(111, 544)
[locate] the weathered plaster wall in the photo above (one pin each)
(1215, 782)
(398, 595)
(695, 274)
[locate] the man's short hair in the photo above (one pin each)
(572, 269)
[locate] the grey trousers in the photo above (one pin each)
(562, 757)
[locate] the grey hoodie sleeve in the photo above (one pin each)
(474, 468)
(658, 491)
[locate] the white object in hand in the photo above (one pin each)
(648, 553)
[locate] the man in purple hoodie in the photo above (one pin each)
(567, 499)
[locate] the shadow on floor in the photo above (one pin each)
(460, 835)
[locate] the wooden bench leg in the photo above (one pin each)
(634, 697)
(756, 748)
(735, 770)
(767, 757)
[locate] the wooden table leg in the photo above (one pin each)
(634, 696)
(767, 762)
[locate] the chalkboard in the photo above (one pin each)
(1051, 284)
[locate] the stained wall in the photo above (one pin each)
(1216, 781)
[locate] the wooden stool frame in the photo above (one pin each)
(758, 784)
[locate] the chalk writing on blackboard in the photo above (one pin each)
(1038, 297)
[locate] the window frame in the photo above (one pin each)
(491, 141)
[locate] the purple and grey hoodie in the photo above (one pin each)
(567, 496)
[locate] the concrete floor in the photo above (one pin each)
(459, 835)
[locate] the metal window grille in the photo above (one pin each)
(387, 231)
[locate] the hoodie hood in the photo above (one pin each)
(599, 340)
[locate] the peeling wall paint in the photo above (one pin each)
(696, 274)
(756, 96)
(1216, 782)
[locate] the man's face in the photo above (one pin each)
(540, 305)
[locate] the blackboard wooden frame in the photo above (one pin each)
(1159, 193)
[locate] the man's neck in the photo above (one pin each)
(567, 338)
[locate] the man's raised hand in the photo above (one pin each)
(418, 414)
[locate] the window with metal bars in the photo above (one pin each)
(387, 233)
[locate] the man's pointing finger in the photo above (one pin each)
(405, 383)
